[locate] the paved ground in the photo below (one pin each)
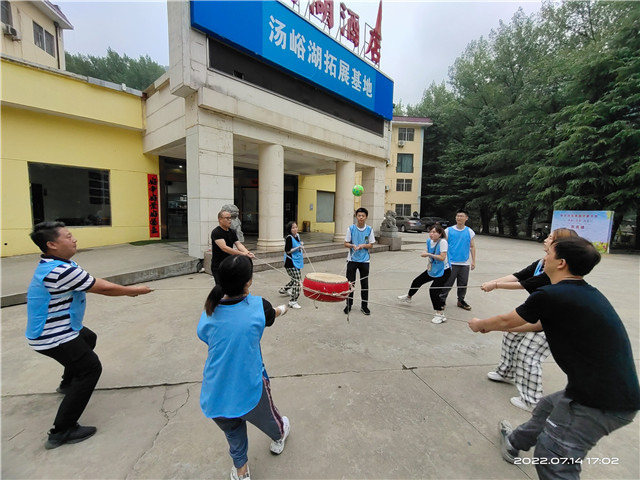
(385, 396)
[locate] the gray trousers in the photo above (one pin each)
(461, 274)
(564, 430)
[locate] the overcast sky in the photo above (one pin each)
(420, 39)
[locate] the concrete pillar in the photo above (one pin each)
(373, 196)
(345, 178)
(209, 181)
(271, 197)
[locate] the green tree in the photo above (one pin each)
(138, 74)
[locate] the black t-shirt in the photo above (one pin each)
(529, 280)
(217, 255)
(588, 342)
(269, 310)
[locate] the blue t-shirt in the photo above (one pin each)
(459, 245)
(359, 237)
(437, 266)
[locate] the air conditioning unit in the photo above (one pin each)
(11, 32)
(401, 143)
(387, 188)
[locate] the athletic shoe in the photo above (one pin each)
(439, 318)
(277, 446)
(464, 305)
(365, 310)
(235, 476)
(75, 434)
(509, 453)
(63, 389)
(284, 291)
(496, 377)
(347, 309)
(294, 305)
(405, 298)
(520, 403)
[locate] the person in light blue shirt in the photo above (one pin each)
(293, 264)
(359, 240)
(462, 257)
(235, 385)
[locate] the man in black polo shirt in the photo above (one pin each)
(223, 239)
(590, 344)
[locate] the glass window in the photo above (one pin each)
(405, 163)
(49, 44)
(324, 206)
(7, 19)
(403, 185)
(38, 35)
(403, 209)
(75, 196)
(405, 134)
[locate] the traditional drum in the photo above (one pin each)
(325, 287)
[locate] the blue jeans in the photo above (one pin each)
(264, 415)
(563, 429)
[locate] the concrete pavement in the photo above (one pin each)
(385, 396)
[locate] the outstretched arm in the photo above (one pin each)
(104, 287)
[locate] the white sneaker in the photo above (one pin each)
(234, 474)
(439, 318)
(277, 446)
(405, 298)
(294, 305)
(496, 377)
(520, 403)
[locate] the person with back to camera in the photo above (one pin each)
(293, 264)
(56, 301)
(524, 349)
(359, 240)
(462, 258)
(437, 271)
(591, 346)
(223, 239)
(235, 386)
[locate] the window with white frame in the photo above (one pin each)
(405, 163)
(403, 185)
(405, 134)
(43, 39)
(403, 209)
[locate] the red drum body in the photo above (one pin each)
(325, 287)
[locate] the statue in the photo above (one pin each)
(389, 222)
(236, 224)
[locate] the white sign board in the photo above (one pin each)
(593, 225)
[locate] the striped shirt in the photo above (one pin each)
(61, 282)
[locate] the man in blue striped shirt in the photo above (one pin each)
(56, 301)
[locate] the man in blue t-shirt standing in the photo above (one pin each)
(462, 257)
(591, 346)
(359, 240)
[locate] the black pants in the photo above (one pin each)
(82, 369)
(434, 291)
(363, 268)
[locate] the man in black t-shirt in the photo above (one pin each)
(223, 239)
(590, 344)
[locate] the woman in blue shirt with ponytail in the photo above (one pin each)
(293, 263)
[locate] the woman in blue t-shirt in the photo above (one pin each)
(293, 263)
(235, 385)
(438, 270)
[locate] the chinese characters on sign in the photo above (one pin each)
(325, 61)
(595, 226)
(154, 217)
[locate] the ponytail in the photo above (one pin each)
(213, 299)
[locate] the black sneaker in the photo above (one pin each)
(509, 453)
(365, 310)
(75, 434)
(464, 305)
(63, 389)
(347, 309)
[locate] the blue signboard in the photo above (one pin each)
(273, 32)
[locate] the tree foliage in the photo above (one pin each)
(138, 74)
(541, 115)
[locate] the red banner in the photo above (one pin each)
(154, 211)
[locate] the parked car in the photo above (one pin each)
(406, 224)
(430, 221)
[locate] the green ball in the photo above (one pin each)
(357, 190)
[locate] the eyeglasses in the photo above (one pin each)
(225, 218)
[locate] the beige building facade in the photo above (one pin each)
(403, 176)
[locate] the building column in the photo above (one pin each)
(271, 197)
(373, 196)
(345, 178)
(209, 181)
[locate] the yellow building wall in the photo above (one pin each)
(308, 187)
(41, 136)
